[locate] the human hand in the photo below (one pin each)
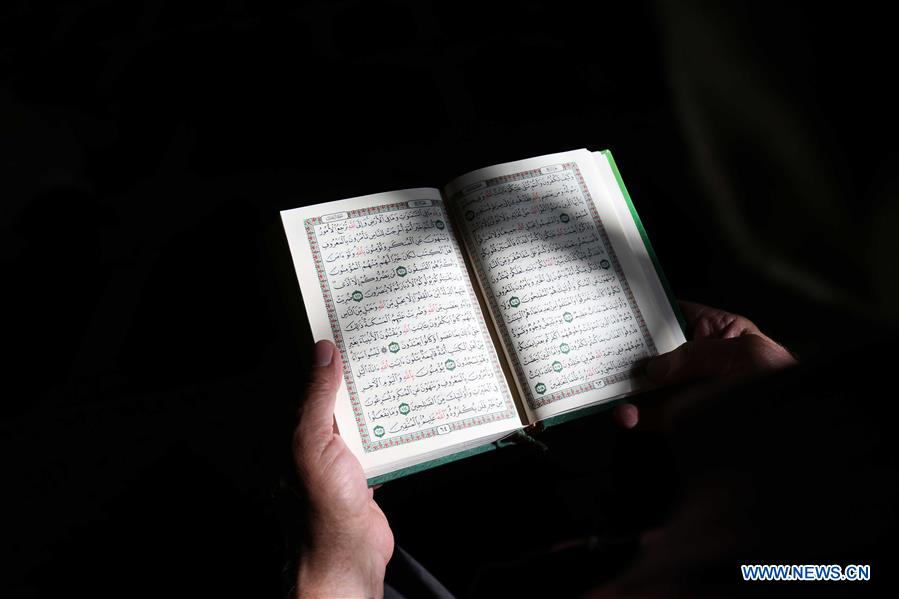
(722, 345)
(349, 539)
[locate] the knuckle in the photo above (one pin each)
(321, 381)
(744, 325)
(734, 325)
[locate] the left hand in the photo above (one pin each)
(349, 541)
(722, 345)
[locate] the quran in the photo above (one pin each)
(517, 294)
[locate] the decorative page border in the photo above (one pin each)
(367, 443)
(537, 402)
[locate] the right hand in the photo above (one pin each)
(722, 345)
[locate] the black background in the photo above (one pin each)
(156, 342)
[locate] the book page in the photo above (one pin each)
(382, 276)
(575, 297)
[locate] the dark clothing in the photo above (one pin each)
(799, 467)
(406, 578)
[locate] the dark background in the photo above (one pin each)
(155, 338)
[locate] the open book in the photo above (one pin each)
(517, 293)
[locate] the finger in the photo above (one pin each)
(702, 358)
(691, 311)
(696, 315)
(626, 415)
(704, 322)
(317, 412)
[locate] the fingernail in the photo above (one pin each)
(657, 368)
(324, 353)
(627, 415)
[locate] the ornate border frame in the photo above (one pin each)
(538, 401)
(368, 444)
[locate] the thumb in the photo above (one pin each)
(316, 424)
(701, 358)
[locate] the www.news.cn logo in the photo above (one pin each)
(806, 572)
